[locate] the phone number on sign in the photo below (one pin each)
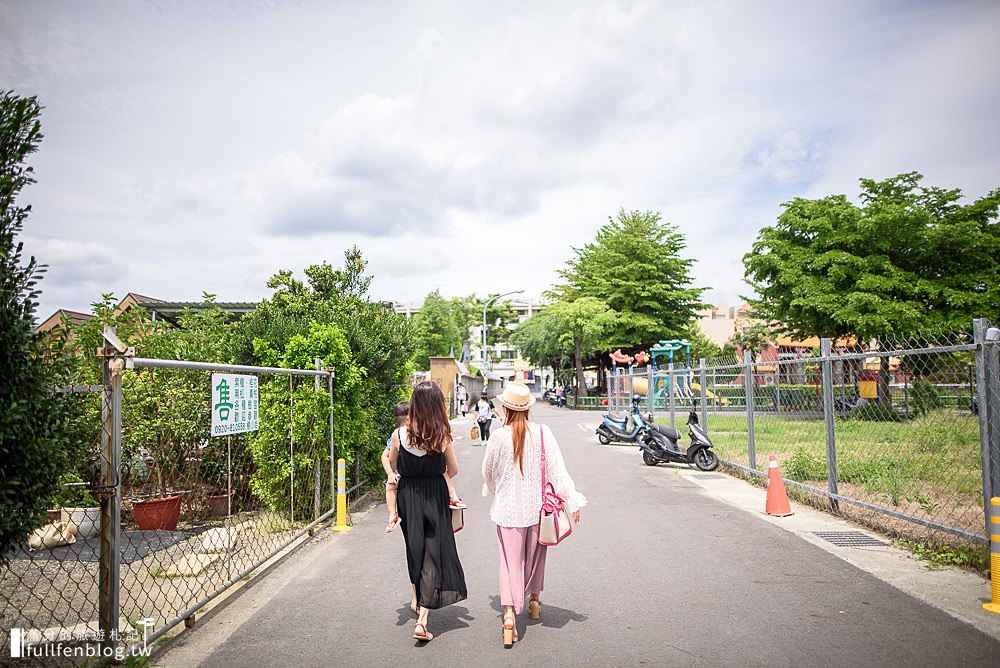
(235, 428)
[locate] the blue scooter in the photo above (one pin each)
(631, 428)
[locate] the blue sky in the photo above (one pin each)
(468, 147)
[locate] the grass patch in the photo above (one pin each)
(974, 558)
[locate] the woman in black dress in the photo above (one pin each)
(421, 452)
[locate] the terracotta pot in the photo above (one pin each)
(220, 504)
(158, 514)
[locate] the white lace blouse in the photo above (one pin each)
(517, 499)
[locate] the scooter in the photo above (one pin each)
(631, 428)
(557, 400)
(662, 444)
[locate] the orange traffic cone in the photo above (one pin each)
(777, 499)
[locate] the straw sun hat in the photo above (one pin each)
(517, 397)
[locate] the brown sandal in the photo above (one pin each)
(535, 608)
(424, 634)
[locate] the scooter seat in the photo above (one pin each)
(669, 432)
(623, 417)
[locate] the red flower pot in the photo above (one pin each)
(219, 504)
(158, 514)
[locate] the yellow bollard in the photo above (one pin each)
(341, 497)
(994, 606)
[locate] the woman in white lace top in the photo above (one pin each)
(512, 473)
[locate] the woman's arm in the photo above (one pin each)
(450, 461)
(556, 473)
(489, 468)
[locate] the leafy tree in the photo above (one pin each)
(634, 266)
(330, 283)
(33, 440)
(538, 339)
(165, 409)
(754, 337)
(381, 342)
(500, 317)
(702, 347)
(436, 330)
(275, 471)
(909, 258)
(583, 323)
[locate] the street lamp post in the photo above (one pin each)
(484, 320)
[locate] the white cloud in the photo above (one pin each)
(468, 147)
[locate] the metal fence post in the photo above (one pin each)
(673, 391)
(993, 397)
(109, 595)
(703, 379)
(317, 496)
(650, 390)
(987, 396)
(826, 364)
(333, 458)
(748, 390)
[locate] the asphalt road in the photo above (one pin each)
(659, 572)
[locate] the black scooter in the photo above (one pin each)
(662, 444)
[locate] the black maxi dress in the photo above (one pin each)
(425, 518)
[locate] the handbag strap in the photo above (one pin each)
(541, 433)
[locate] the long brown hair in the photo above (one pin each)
(518, 423)
(427, 426)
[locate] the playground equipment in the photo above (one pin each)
(668, 348)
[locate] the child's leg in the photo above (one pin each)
(390, 502)
(390, 498)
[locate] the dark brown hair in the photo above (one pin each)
(427, 426)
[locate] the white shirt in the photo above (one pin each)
(518, 498)
(485, 410)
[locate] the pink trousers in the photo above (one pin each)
(522, 564)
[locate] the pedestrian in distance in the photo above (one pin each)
(463, 398)
(484, 416)
(421, 452)
(392, 476)
(512, 472)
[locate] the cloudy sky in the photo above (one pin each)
(467, 146)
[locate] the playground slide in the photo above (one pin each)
(709, 393)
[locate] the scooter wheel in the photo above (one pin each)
(649, 459)
(603, 438)
(706, 460)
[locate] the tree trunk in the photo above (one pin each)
(581, 384)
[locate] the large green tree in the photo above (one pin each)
(380, 343)
(437, 329)
(908, 258)
(33, 442)
(583, 323)
(634, 265)
(539, 339)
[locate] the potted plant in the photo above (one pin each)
(158, 514)
(219, 503)
(78, 506)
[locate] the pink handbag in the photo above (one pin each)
(554, 522)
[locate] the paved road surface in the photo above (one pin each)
(662, 571)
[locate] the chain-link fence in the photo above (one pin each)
(185, 503)
(901, 435)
